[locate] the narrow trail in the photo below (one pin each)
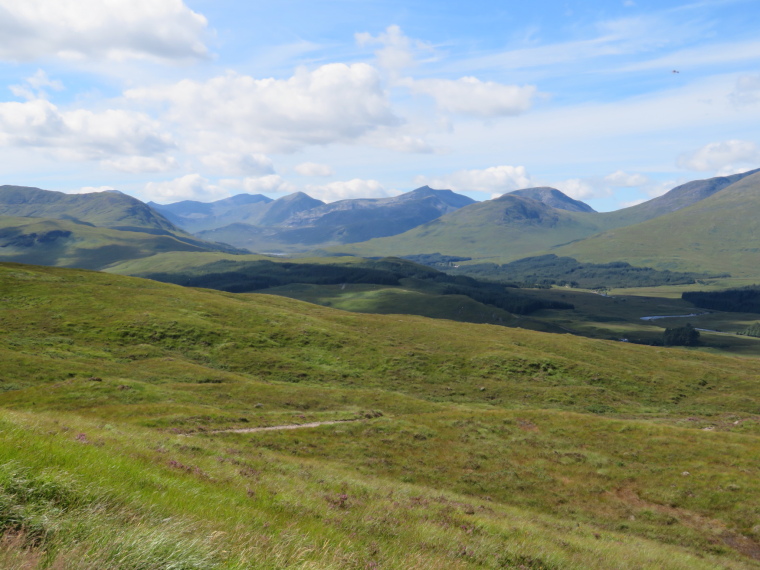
(276, 428)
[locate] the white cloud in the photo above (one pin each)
(343, 190)
(398, 142)
(598, 187)
(230, 163)
(335, 102)
(189, 187)
(470, 96)
(80, 134)
(580, 189)
(496, 180)
(271, 184)
(314, 169)
(35, 86)
(140, 164)
(701, 56)
(658, 189)
(623, 180)
(397, 51)
(726, 155)
(747, 90)
(90, 189)
(100, 29)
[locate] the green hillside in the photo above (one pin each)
(719, 234)
(109, 209)
(69, 244)
(505, 228)
(460, 446)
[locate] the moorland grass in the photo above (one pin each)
(476, 445)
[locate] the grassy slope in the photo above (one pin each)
(380, 299)
(386, 300)
(719, 234)
(496, 448)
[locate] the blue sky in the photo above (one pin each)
(612, 102)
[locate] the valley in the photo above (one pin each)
(499, 398)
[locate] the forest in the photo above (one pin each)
(550, 269)
(739, 300)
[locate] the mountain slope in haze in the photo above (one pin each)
(192, 215)
(679, 197)
(554, 198)
(345, 221)
(720, 233)
(508, 227)
(110, 209)
(253, 209)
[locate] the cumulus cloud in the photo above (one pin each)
(230, 163)
(580, 189)
(397, 51)
(496, 180)
(100, 29)
(80, 134)
(723, 156)
(467, 96)
(335, 102)
(271, 184)
(189, 187)
(470, 96)
(356, 188)
(313, 169)
(624, 180)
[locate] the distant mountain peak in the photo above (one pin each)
(553, 198)
(242, 199)
(297, 196)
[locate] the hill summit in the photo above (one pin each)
(554, 198)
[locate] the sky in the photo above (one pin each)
(613, 102)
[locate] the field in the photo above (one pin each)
(457, 445)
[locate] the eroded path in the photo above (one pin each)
(275, 428)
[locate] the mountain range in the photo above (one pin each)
(298, 223)
(703, 225)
